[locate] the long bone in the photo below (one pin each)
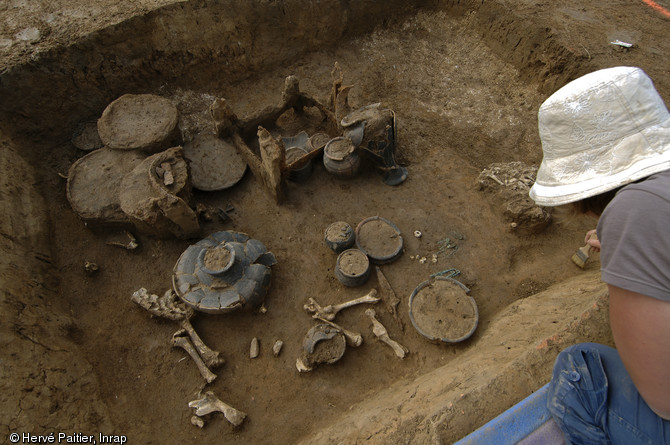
(210, 357)
(329, 312)
(354, 339)
(380, 332)
(210, 403)
(168, 306)
(179, 341)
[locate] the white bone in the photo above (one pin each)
(329, 312)
(209, 356)
(276, 348)
(166, 306)
(197, 421)
(184, 343)
(354, 339)
(132, 242)
(380, 332)
(210, 403)
(254, 348)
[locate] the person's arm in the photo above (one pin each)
(641, 330)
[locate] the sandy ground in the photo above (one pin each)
(460, 107)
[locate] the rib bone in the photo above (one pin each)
(208, 355)
(329, 312)
(184, 343)
(380, 332)
(354, 339)
(210, 403)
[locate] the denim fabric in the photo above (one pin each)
(594, 401)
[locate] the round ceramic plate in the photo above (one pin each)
(215, 164)
(379, 239)
(441, 310)
(139, 121)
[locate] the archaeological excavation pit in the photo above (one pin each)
(462, 82)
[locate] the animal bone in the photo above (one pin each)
(132, 243)
(209, 356)
(354, 339)
(197, 421)
(169, 307)
(91, 268)
(276, 348)
(166, 306)
(210, 403)
(380, 332)
(329, 312)
(254, 349)
(184, 343)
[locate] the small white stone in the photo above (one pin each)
(417, 234)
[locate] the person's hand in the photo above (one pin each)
(592, 240)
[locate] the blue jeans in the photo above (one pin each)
(594, 401)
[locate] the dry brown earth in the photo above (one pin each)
(465, 80)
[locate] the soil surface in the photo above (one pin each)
(463, 100)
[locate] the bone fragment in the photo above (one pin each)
(301, 366)
(211, 358)
(210, 403)
(390, 299)
(380, 332)
(184, 343)
(166, 306)
(276, 348)
(254, 349)
(197, 421)
(354, 339)
(329, 312)
(91, 268)
(132, 242)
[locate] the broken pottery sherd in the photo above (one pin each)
(317, 141)
(155, 196)
(379, 239)
(223, 272)
(442, 311)
(323, 344)
(374, 130)
(301, 173)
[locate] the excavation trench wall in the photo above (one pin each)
(187, 43)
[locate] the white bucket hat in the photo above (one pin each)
(598, 132)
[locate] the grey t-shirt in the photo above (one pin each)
(634, 232)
